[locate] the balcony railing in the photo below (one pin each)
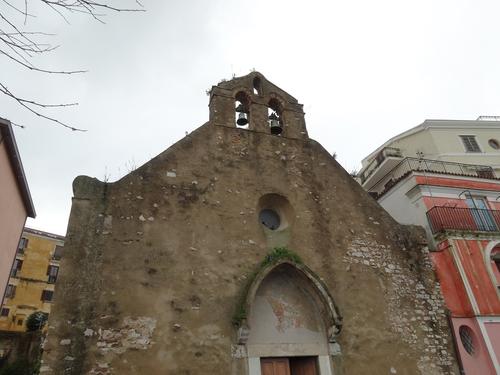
(379, 159)
(408, 165)
(466, 219)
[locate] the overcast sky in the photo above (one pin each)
(364, 70)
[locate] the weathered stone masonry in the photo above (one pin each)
(158, 262)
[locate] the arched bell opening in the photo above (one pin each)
(275, 119)
(257, 86)
(242, 110)
(291, 317)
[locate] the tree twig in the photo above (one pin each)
(25, 103)
(19, 45)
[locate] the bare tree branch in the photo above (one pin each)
(17, 9)
(31, 67)
(19, 126)
(26, 104)
(19, 45)
(7, 92)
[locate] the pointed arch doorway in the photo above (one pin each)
(292, 322)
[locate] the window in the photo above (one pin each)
(23, 244)
(270, 219)
(494, 263)
(52, 272)
(470, 143)
(10, 292)
(47, 295)
(5, 311)
(20, 322)
(481, 213)
(494, 144)
(57, 255)
(275, 212)
(496, 258)
(16, 267)
(467, 338)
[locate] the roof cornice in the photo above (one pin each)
(438, 124)
(7, 136)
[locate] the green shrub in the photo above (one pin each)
(19, 367)
(36, 321)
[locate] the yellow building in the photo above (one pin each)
(32, 278)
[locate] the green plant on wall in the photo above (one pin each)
(19, 367)
(36, 321)
(276, 255)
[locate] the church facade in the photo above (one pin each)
(244, 248)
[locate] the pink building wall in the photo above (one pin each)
(493, 332)
(479, 362)
(452, 287)
(471, 255)
(440, 201)
(12, 217)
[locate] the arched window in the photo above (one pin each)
(274, 116)
(467, 339)
(492, 263)
(257, 86)
(495, 263)
(242, 110)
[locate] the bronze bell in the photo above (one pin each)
(242, 119)
(275, 125)
(242, 115)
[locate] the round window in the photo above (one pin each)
(270, 219)
(494, 144)
(466, 336)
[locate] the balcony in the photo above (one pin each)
(408, 165)
(386, 154)
(463, 219)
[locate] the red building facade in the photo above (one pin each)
(467, 260)
(459, 206)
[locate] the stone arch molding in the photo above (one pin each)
(328, 309)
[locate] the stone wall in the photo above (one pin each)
(156, 263)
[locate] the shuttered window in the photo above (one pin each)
(57, 253)
(470, 143)
(10, 292)
(52, 272)
(47, 295)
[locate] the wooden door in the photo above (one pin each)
(303, 366)
(275, 366)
